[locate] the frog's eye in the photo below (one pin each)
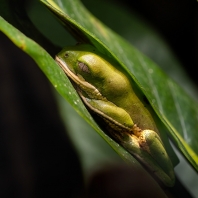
(66, 55)
(83, 67)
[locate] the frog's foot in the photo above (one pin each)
(147, 146)
(142, 136)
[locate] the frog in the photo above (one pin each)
(108, 91)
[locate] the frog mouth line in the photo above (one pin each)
(89, 89)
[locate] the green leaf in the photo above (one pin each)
(64, 87)
(14, 13)
(58, 79)
(174, 107)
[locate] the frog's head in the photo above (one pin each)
(87, 67)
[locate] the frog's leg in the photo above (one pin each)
(115, 116)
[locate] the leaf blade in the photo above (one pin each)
(169, 101)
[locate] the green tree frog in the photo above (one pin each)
(108, 92)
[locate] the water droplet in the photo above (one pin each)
(55, 86)
(150, 71)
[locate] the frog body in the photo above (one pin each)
(108, 92)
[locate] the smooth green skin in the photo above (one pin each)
(108, 92)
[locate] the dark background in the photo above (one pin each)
(37, 158)
(177, 21)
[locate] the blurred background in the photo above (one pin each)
(46, 149)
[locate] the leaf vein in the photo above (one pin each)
(179, 112)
